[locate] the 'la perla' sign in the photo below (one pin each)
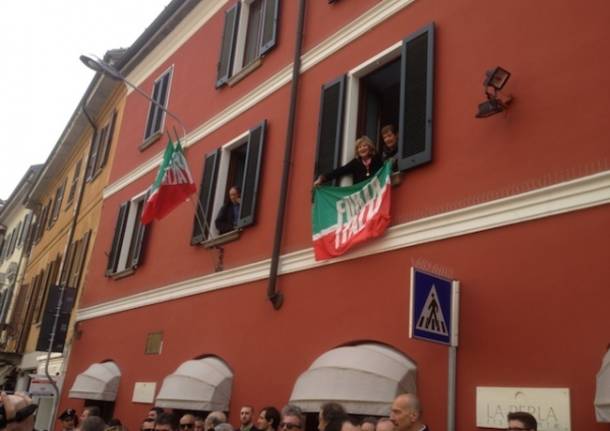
(550, 406)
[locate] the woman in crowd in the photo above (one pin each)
(268, 419)
(365, 164)
(332, 416)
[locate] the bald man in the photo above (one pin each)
(406, 412)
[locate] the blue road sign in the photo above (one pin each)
(434, 308)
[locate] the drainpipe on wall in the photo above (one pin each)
(273, 294)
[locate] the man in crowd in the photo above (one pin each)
(187, 422)
(223, 427)
(349, 425)
(199, 423)
(214, 418)
(384, 424)
(406, 413)
(166, 422)
(148, 424)
(368, 424)
(227, 217)
(293, 419)
(68, 420)
(245, 419)
(522, 421)
(154, 413)
(89, 411)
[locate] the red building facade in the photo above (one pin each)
(514, 206)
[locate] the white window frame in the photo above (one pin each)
(130, 225)
(222, 177)
(242, 31)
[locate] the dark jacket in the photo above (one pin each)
(225, 220)
(356, 169)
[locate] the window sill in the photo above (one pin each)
(150, 140)
(244, 72)
(396, 179)
(121, 274)
(221, 239)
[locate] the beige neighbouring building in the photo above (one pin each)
(67, 200)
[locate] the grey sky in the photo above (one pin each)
(42, 78)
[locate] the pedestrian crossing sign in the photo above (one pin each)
(433, 308)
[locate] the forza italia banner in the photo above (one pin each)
(345, 216)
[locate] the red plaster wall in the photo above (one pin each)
(533, 314)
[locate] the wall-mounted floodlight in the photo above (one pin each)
(495, 79)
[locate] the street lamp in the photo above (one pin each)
(98, 65)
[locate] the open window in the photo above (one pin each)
(250, 31)
(129, 235)
(236, 164)
(394, 87)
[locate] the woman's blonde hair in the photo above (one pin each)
(365, 140)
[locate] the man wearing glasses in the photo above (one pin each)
(521, 421)
(187, 422)
(292, 419)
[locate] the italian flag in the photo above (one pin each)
(346, 216)
(174, 185)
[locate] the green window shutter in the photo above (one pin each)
(203, 215)
(227, 46)
(136, 248)
(92, 156)
(117, 239)
(270, 17)
(416, 99)
(330, 126)
(249, 190)
(105, 148)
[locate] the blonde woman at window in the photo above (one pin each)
(366, 163)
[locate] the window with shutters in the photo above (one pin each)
(250, 31)
(47, 278)
(156, 114)
(75, 259)
(74, 183)
(41, 222)
(236, 164)
(128, 240)
(98, 156)
(59, 196)
(394, 87)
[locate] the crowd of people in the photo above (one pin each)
(17, 414)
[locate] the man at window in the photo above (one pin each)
(227, 217)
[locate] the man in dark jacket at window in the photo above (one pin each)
(227, 217)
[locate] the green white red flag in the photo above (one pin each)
(173, 185)
(346, 216)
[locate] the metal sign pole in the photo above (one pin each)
(451, 377)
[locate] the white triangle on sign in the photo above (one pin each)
(431, 318)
